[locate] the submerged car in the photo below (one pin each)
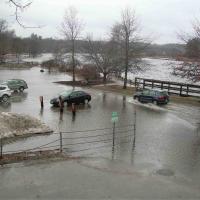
(152, 96)
(16, 84)
(70, 97)
(5, 93)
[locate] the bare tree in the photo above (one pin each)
(102, 55)
(20, 7)
(125, 32)
(71, 28)
(6, 37)
(190, 67)
(3, 25)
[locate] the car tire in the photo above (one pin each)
(21, 89)
(5, 98)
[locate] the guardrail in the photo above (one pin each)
(181, 89)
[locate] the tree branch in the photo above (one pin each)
(20, 8)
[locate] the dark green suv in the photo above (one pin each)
(152, 96)
(16, 84)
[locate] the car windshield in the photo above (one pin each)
(145, 92)
(2, 87)
(163, 93)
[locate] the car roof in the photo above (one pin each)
(2, 85)
(67, 92)
(15, 79)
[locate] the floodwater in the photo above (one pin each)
(166, 140)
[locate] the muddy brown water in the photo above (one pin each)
(166, 137)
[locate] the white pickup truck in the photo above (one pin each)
(5, 93)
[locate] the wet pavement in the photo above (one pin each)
(167, 140)
(77, 180)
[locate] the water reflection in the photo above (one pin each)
(198, 129)
(5, 106)
(73, 117)
(19, 96)
(80, 107)
(124, 103)
(104, 98)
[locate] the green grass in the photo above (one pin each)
(15, 65)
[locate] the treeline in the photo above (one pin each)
(10, 43)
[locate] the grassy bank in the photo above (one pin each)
(131, 90)
(16, 65)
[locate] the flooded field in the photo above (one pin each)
(166, 142)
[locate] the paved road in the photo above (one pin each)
(75, 180)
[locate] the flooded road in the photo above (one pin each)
(166, 142)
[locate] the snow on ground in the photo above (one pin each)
(12, 124)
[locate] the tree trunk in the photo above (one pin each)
(126, 61)
(73, 61)
(104, 78)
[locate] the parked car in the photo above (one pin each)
(5, 93)
(152, 96)
(70, 97)
(16, 84)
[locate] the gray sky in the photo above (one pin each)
(160, 18)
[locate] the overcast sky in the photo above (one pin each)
(160, 18)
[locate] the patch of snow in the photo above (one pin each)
(12, 124)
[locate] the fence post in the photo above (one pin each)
(136, 84)
(113, 134)
(41, 102)
(134, 128)
(181, 88)
(61, 146)
(162, 86)
(1, 148)
(152, 84)
(168, 87)
(187, 89)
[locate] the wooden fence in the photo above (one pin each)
(181, 89)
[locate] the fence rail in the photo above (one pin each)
(181, 89)
(77, 141)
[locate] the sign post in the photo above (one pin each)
(1, 148)
(114, 119)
